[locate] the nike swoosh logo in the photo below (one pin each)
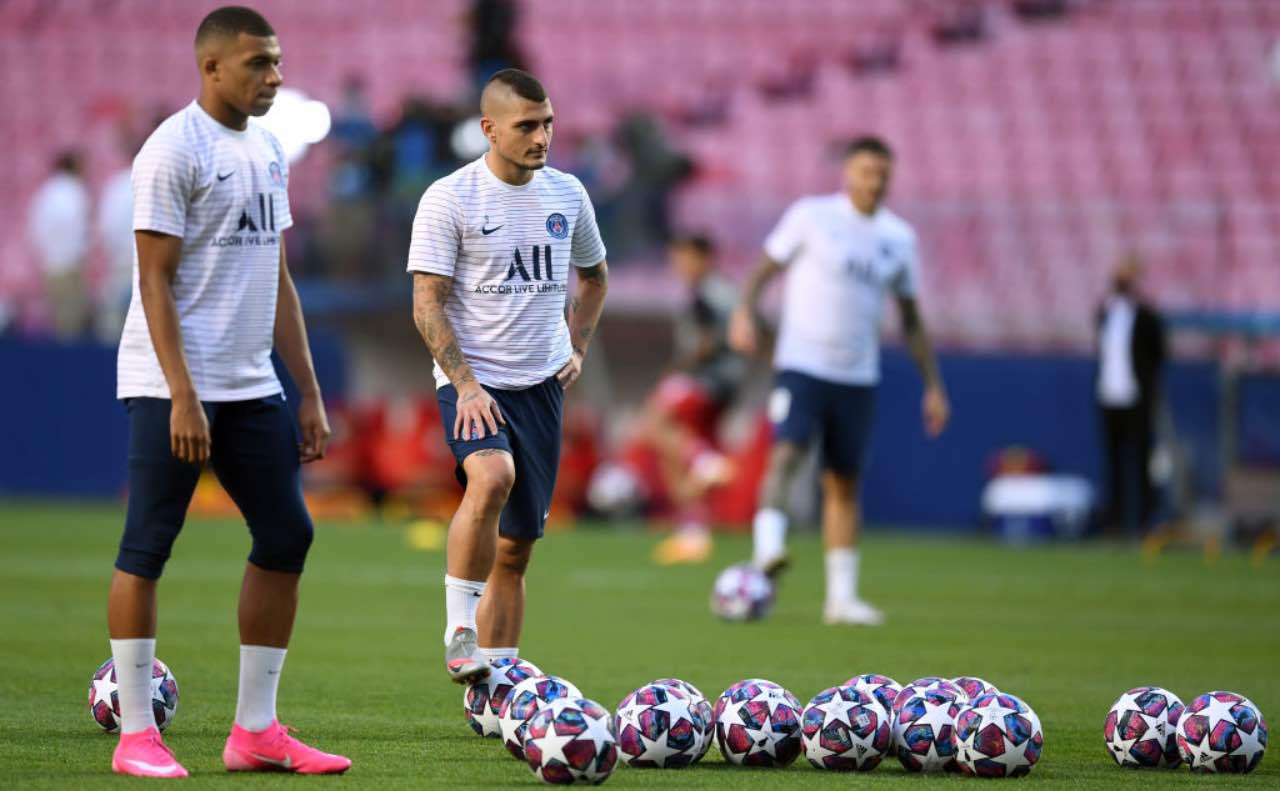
(140, 665)
(151, 767)
(287, 763)
(487, 231)
(224, 178)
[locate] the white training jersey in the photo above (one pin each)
(224, 192)
(508, 250)
(839, 264)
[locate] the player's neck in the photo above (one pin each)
(510, 173)
(222, 112)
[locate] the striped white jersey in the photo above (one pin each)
(839, 263)
(224, 192)
(508, 250)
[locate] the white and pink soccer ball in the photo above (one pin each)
(482, 701)
(1222, 732)
(571, 741)
(973, 687)
(884, 689)
(658, 727)
(845, 729)
(703, 708)
(923, 727)
(1140, 729)
(758, 724)
(525, 700)
(997, 735)
(742, 593)
(104, 698)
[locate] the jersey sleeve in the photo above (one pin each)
(437, 233)
(787, 237)
(588, 247)
(163, 179)
(906, 281)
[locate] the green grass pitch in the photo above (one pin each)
(1066, 628)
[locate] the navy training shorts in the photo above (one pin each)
(802, 405)
(255, 455)
(531, 435)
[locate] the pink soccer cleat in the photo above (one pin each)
(274, 750)
(144, 754)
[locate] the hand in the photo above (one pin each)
(476, 411)
(937, 412)
(743, 336)
(314, 426)
(571, 370)
(189, 430)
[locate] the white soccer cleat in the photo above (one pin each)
(851, 613)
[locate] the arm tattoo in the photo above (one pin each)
(586, 305)
(429, 295)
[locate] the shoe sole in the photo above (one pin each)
(468, 674)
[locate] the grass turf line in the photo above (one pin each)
(1065, 628)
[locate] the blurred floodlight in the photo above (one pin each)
(296, 121)
(468, 140)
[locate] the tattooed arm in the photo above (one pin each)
(476, 408)
(584, 314)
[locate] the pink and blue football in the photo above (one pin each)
(104, 697)
(998, 735)
(923, 728)
(525, 700)
(570, 741)
(703, 709)
(482, 701)
(1222, 732)
(1141, 728)
(758, 724)
(844, 729)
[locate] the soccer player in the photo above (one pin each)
(842, 253)
(490, 255)
(212, 296)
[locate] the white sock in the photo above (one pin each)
(500, 653)
(769, 534)
(133, 660)
(842, 575)
(260, 667)
(461, 597)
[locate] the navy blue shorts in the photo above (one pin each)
(255, 455)
(802, 405)
(532, 437)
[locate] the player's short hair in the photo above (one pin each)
(232, 20)
(524, 84)
(868, 144)
(700, 243)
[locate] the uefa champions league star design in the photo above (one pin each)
(1203, 756)
(764, 739)
(1012, 755)
(1129, 704)
(938, 717)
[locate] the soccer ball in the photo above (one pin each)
(882, 688)
(1222, 732)
(922, 730)
(703, 709)
(844, 728)
(570, 741)
(928, 684)
(973, 687)
(482, 701)
(658, 727)
(104, 699)
(758, 724)
(524, 701)
(1140, 728)
(998, 736)
(742, 593)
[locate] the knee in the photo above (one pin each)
(840, 486)
(283, 546)
(491, 478)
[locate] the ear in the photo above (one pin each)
(489, 128)
(209, 65)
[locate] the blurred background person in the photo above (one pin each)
(58, 227)
(114, 233)
(1131, 356)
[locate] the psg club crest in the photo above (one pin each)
(557, 226)
(277, 177)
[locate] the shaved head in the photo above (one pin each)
(516, 119)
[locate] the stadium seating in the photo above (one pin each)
(1028, 161)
